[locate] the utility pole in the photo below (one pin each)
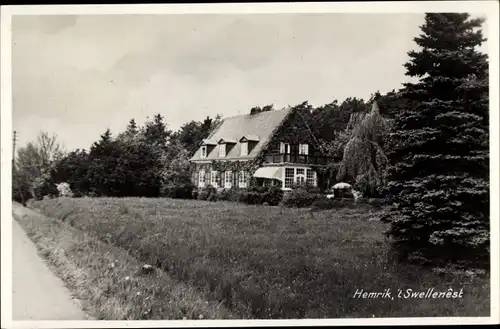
(14, 140)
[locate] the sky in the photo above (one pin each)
(76, 76)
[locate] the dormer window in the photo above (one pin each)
(248, 142)
(222, 150)
(284, 148)
(244, 148)
(304, 149)
(207, 146)
(203, 152)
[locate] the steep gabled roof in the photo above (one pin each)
(260, 126)
(208, 142)
(250, 138)
(227, 141)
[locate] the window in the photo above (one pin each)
(244, 148)
(300, 177)
(289, 177)
(203, 152)
(242, 179)
(214, 179)
(304, 149)
(285, 148)
(228, 179)
(268, 182)
(201, 178)
(222, 150)
(311, 177)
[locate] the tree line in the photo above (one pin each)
(425, 148)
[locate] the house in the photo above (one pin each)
(275, 147)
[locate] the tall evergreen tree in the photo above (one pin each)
(156, 131)
(103, 175)
(440, 162)
(131, 132)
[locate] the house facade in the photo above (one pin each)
(275, 148)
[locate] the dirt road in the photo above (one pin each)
(36, 292)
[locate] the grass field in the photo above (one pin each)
(267, 262)
(108, 281)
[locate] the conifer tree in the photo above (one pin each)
(440, 162)
(156, 131)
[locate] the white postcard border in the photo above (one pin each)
(487, 9)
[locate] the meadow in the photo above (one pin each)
(270, 262)
(109, 282)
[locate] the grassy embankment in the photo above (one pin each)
(264, 262)
(109, 282)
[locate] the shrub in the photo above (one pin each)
(376, 202)
(252, 197)
(20, 188)
(212, 193)
(203, 194)
(307, 187)
(64, 190)
(229, 194)
(235, 194)
(224, 195)
(178, 191)
(299, 197)
(274, 196)
(323, 202)
(258, 189)
(42, 186)
(194, 193)
(209, 193)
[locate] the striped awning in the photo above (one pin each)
(269, 173)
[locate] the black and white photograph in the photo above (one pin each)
(249, 163)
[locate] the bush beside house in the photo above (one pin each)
(178, 191)
(254, 195)
(299, 197)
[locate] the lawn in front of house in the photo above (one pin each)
(109, 282)
(268, 262)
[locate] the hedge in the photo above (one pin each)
(300, 197)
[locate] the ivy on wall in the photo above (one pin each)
(293, 130)
(221, 165)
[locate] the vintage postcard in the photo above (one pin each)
(264, 164)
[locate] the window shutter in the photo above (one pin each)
(222, 150)
(282, 147)
(244, 148)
